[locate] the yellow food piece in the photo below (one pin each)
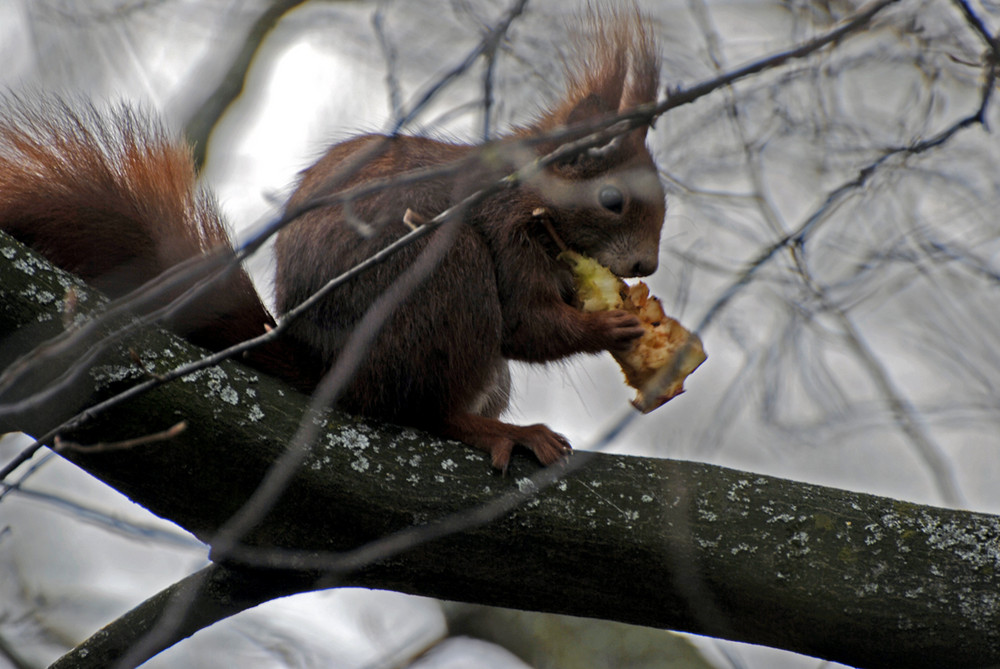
(659, 361)
(597, 289)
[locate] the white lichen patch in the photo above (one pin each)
(193, 377)
(104, 374)
(977, 546)
(798, 545)
(874, 534)
(318, 464)
(526, 485)
(25, 266)
(709, 543)
(449, 465)
(647, 498)
(360, 464)
(256, 413)
(979, 607)
(736, 492)
(707, 515)
(868, 588)
(229, 395)
(351, 438)
(742, 547)
(39, 295)
(218, 385)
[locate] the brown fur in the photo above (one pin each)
(499, 292)
(113, 200)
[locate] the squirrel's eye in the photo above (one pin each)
(611, 199)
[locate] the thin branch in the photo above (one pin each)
(218, 592)
(202, 122)
(904, 414)
(109, 522)
(391, 61)
(485, 45)
(847, 28)
(123, 445)
(980, 28)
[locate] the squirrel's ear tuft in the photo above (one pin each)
(614, 65)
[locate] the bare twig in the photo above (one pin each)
(485, 46)
(102, 447)
(980, 28)
(391, 61)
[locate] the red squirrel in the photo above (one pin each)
(114, 200)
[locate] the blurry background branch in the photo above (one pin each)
(198, 128)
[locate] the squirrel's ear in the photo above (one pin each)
(617, 149)
(614, 66)
(589, 107)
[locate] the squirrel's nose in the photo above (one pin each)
(644, 267)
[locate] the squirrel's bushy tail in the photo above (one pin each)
(107, 195)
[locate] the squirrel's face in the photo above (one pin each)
(605, 202)
(626, 216)
(613, 215)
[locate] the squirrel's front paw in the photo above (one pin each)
(618, 330)
(548, 446)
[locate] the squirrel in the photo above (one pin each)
(111, 197)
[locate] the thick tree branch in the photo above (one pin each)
(855, 578)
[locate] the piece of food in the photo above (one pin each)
(659, 361)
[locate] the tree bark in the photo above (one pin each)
(850, 577)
